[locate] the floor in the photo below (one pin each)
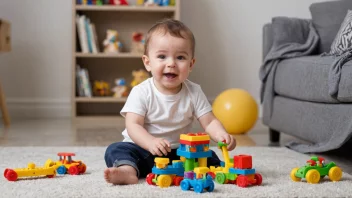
(64, 132)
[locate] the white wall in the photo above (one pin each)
(229, 39)
(36, 74)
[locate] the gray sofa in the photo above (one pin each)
(300, 104)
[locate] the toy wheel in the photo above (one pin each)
(5, 171)
(313, 176)
(61, 170)
(258, 177)
(211, 174)
(11, 175)
(185, 185)
(82, 168)
(164, 181)
(149, 179)
(177, 180)
(211, 187)
(198, 187)
(335, 173)
(242, 181)
(73, 170)
(293, 175)
(220, 178)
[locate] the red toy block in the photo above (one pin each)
(242, 161)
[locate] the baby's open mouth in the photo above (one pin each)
(170, 75)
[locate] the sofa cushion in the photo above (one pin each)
(306, 78)
(343, 39)
(327, 18)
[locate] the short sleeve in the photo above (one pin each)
(136, 102)
(202, 105)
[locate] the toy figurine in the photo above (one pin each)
(137, 43)
(120, 90)
(101, 88)
(111, 43)
(139, 76)
(118, 2)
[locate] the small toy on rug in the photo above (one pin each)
(120, 90)
(164, 175)
(137, 43)
(111, 43)
(316, 169)
(30, 171)
(101, 88)
(237, 170)
(66, 164)
(139, 76)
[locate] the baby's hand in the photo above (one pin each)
(159, 146)
(229, 140)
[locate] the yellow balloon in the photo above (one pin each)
(236, 109)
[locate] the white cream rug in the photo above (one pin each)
(273, 163)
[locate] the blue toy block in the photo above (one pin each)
(242, 171)
(222, 163)
(170, 170)
(191, 155)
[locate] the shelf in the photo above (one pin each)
(107, 55)
(125, 8)
(100, 99)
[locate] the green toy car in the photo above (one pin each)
(315, 170)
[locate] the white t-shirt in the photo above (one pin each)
(166, 116)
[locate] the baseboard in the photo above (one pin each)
(260, 114)
(38, 108)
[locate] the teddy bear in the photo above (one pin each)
(111, 44)
(139, 76)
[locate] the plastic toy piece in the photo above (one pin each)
(164, 175)
(67, 165)
(192, 146)
(199, 180)
(315, 170)
(240, 172)
(30, 171)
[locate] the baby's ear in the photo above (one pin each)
(192, 64)
(146, 62)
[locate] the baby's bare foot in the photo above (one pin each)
(121, 175)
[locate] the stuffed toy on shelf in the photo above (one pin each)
(111, 43)
(139, 76)
(137, 43)
(120, 90)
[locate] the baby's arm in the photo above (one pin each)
(140, 136)
(216, 131)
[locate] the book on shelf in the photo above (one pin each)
(84, 88)
(87, 35)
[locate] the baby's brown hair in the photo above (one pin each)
(174, 28)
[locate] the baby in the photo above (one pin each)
(162, 107)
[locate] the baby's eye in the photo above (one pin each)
(161, 56)
(181, 58)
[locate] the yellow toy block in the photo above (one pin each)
(161, 162)
(194, 138)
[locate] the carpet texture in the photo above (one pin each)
(274, 164)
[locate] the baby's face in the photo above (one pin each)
(170, 61)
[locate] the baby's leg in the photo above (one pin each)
(121, 175)
(126, 163)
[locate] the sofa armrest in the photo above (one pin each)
(267, 38)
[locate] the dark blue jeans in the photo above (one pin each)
(127, 153)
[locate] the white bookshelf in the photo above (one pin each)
(108, 67)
